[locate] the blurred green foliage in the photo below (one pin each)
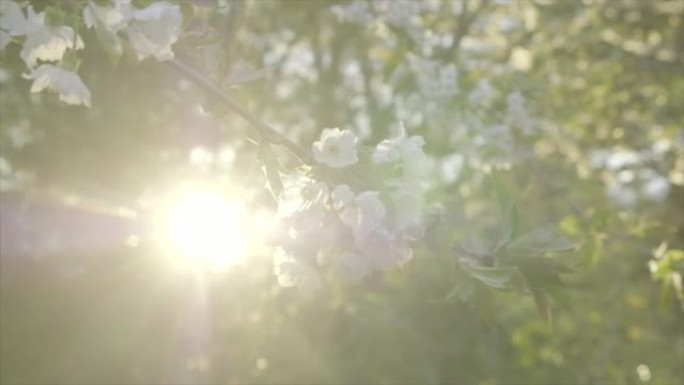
(605, 76)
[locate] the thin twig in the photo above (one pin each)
(266, 132)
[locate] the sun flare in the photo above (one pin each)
(204, 226)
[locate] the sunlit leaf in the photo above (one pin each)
(508, 278)
(509, 224)
(463, 290)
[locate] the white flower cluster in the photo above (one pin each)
(151, 32)
(629, 178)
(400, 13)
(43, 42)
(482, 95)
(336, 148)
(355, 230)
(403, 13)
(517, 114)
(628, 187)
(68, 85)
(491, 136)
(356, 11)
(435, 80)
(46, 43)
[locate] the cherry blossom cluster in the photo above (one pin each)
(400, 13)
(493, 125)
(629, 176)
(407, 15)
(151, 31)
(329, 218)
(435, 80)
(487, 124)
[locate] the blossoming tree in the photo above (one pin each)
(443, 142)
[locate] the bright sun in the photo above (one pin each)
(204, 227)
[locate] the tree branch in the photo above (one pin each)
(465, 20)
(267, 133)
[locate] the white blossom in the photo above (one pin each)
(452, 166)
(356, 232)
(409, 209)
(386, 151)
(67, 84)
(517, 113)
(342, 196)
(408, 150)
(315, 193)
(302, 226)
(622, 194)
(482, 94)
(408, 191)
(403, 13)
(368, 213)
(364, 214)
(382, 249)
(295, 273)
(493, 146)
(337, 148)
(435, 80)
(656, 189)
(12, 19)
(154, 29)
(303, 196)
(113, 17)
(416, 163)
(390, 150)
(357, 11)
(44, 42)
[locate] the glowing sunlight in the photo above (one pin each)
(203, 226)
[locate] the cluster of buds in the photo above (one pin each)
(356, 212)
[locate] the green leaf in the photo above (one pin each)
(509, 224)
(542, 239)
(463, 290)
(504, 278)
(542, 272)
(561, 296)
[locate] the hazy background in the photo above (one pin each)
(602, 79)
